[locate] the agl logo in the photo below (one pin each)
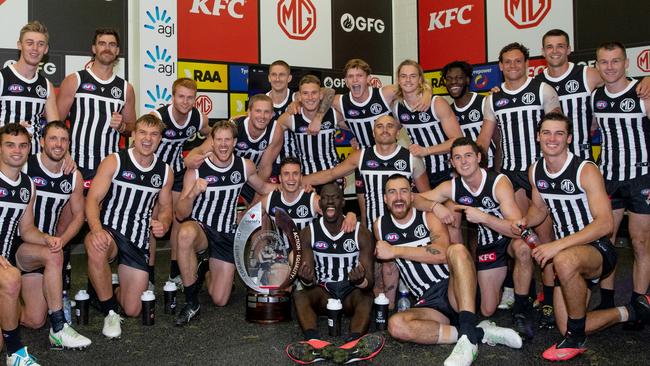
(159, 60)
(159, 22)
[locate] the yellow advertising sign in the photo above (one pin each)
(207, 76)
(238, 104)
(437, 82)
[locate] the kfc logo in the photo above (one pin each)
(232, 7)
(297, 18)
(444, 18)
(487, 257)
(526, 13)
(643, 60)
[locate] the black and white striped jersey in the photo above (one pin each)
(418, 276)
(484, 199)
(317, 152)
(91, 137)
(129, 202)
(334, 255)
(518, 113)
(23, 100)
(301, 210)
(470, 119)
(289, 148)
(250, 148)
(564, 196)
(626, 133)
(176, 134)
(216, 207)
(53, 191)
(575, 98)
(14, 198)
(360, 117)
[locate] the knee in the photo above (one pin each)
(487, 310)
(10, 282)
(132, 309)
(522, 252)
(32, 320)
(55, 260)
(640, 245)
(397, 328)
(565, 264)
(186, 236)
(458, 253)
(219, 299)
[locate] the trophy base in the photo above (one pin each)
(269, 308)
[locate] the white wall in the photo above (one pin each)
(405, 31)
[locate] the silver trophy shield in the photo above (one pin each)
(262, 250)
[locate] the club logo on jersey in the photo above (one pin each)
(39, 181)
(41, 91)
(302, 211)
(372, 164)
(242, 145)
(528, 98)
(628, 104)
(321, 245)
(235, 177)
(542, 184)
(502, 102)
(391, 237)
(15, 88)
(65, 186)
(645, 192)
(88, 87)
(354, 113)
(487, 257)
(349, 245)
(303, 129)
(263, 144)
(211, 179)
(375, 108)
(156, 180)
(571, 86)
(424, 117)
(601, 104)
(116, 92)
(465, 200)
(190, 131)
(400, 165)
(326, 125)
(420, 231)
(24, 195)
(487, 202)
(567, 186)
(170, 133)
(474, 115)
(404, 117)
(128, 175)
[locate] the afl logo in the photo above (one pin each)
(353, 113)
(400, 165)
(645, 192)
(190, 131)
(41, 92)
(88, 87)
(235, 177)
(156, 180)
(302, 129)
(66, 186)
(528, 98)
(321, 245)
(404, 117)
(391, 237)
(128, 175)
(420, 231)
(474, 115)
(24, 195)
(502, 102)
(571, 86)
(349, 245)
(372, 164)
(465, 200)
(15, 88)
(116, 92)
(567, 186)
(263, 144)
(170, 133)
(211, 179)
(488, 203)
(601, 104)
(375, 108)
(242, 145)
(302, 211)
(542, 184)
(3, 192)
(39, 181)
(628, 104)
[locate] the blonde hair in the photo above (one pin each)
(422, 85)
(35, 26)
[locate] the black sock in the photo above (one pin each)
(508, 281)
(521, 304)
(311, 334)
(606, 298)
(57, 319)
(108, 305)
(173, 269)
(191, 294)
(548, 295)
(12, 339)
(532, 290)
(467, 326)
(152, 274)
(631, 313)
(635, 295)
(576, 328)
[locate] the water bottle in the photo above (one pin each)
(381, 311)
(170, 297)
(82, 300)
(67, 308)
(529, 236)
(67, 277)
(404, 301)
(148, 307)
(115, 281)
(334, 310)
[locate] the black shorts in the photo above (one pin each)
(436, 298)
(610, 257)
(438, 177)
(178, 180)
(87, 176)
(14, 259)
(519, 180)
(338, 290)
(220, 244)
(494, 255)
(631, 195)
(128, 253)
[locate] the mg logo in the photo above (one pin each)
(204, 104)
(627, 104)
(160, 61)
(526, 13)
(474, 115)
(643, 60)
(528, 98)
(158, 97)
(571, 86)
(297, 18)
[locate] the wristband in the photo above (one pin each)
(363, 284)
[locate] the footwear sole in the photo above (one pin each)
(374, 340)
(313, 343)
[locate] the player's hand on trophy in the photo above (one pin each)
(306, 274)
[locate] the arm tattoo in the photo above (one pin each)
(432, 250)
(328, 98)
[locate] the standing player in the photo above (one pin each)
(42, 267)
(281, 95)
(26, 96)
(623, 119)
(119, 208)
(441, 276)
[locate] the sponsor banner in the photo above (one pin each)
(238, 77)
(13, 16)
(451, 30)
(76, 63)
(208, 76)
(215, 105)
(639, 61)
(334, 80)
(485, 77)
(525, 21)
(381, 80)
(297, 31)
(355, 23)
(224, 30)
(52, 65)
(536, 66)
(437, 82)
(600, 20)
(238, 102)
(158, 52)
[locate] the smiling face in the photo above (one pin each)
(457, 82)
(14, 149)
(331, 202)
(184, 99)
(146, 138)
(223, 144)
(310, 96)
(553, 137)
(290, 177)
(279, 77)
(465, 160)
(357, 81)
(556, 50)
(55, 143)
(611, 64)
(398, 197)
(260, 114)
(106, 49)
(409, 79)
(33, 46)
(513, 65)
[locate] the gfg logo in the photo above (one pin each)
(159, 22)
(350, 23)
(159, 60)
(296, 18)
(158, 97)
(232, 7)
(442, 19)
(524, 14)
(331, 82)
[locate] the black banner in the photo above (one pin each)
(597, 21)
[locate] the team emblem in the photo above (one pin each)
(39, 181)
(474, 115)
(15, 88)
(242, 145)
(263, 144)
(349, 245)
(400, 165)
(567, 186)
(302, 211)
(128, 175)
(235, 177)
(353, 113)
(211, 179)
(302, 129)
(424, 117)
(156, 180)
(528, 98)
(24, 195)
(420, 231)
(41, 92)
(170, 133)
(488, 203)
(542, 184)
(601, 104)
(466, 200)
(628, 104)
(190, 131)
(321, 245)
(502, 102)
(375, 108)
(88, 87)
(116, 92)
(391, 237)
(571, 86)
(326, 125)
(404, 117)
(66, 186)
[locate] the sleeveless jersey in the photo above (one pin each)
(216, 207)
(301, 210)
(23, 100)
(289, 148)
(360, 117)
(14, 198)
(418, 276)
(334, 255)
(484, 199)
(53, 191)
(573, 91)
(91, 137)
(470, 119)
(250, 148)
(316, 152)
(518, 113)
(129, 202)
(564, 196)
(176, 134)
(626, 133)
